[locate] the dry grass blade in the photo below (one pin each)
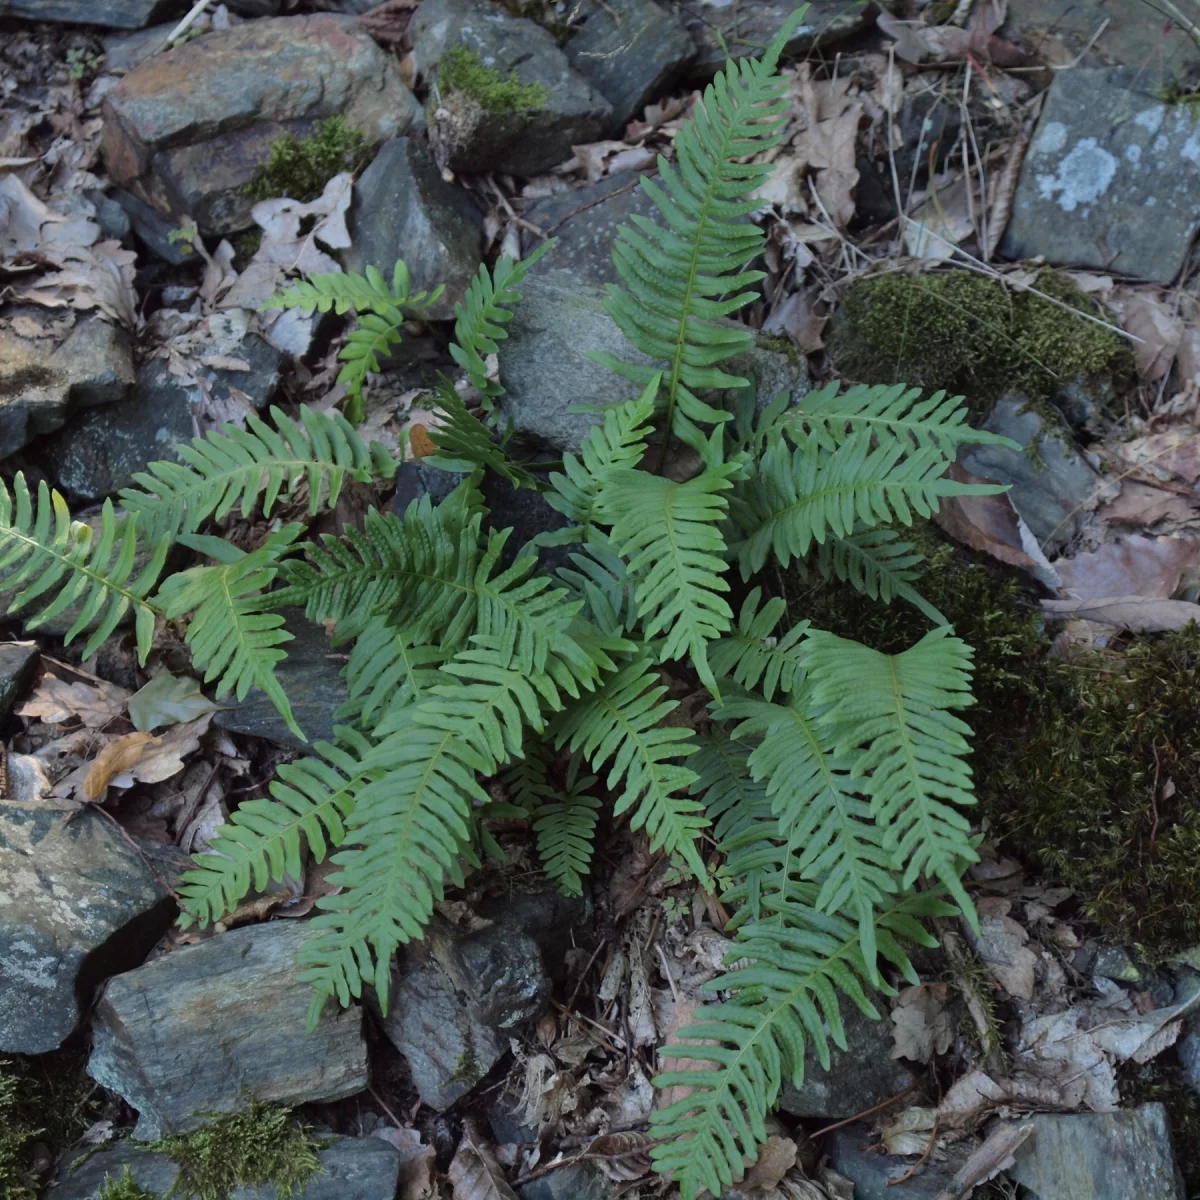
(474, 1172)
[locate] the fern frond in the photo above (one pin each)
(387, 670)
(619, 726)
(46, 556)
(682, 277)
(668, 532)
(755, 1041)
(879, 565)
(891, 716)
(235, 467)
(481, 317)
(753, 656)
(465, 443)
(262, 839)
(603, 582)
(233, 637)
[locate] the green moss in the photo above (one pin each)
(16, 1134)
(973, 336)
(467, 1070)
(462, 71)
(262, 1145)
(125, 1188)
(299, 168)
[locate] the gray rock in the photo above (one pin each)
(630, 51)
(311, 676)
(1050, 480)
(403, 208)
(580, 1181)
(42, 385)
(1100, 1156)
(523, 142)
(191, 1032)
(455, 1001)
(114, 14)
(857, 1079)
(77, 898)
(110, 216)
(17, 661)
(187, 130)
(351, 1169)
(99, 452)
(854, 1153)
(1113, 962)
(1110, 178)
(124, 51)
(154, 230)
(751, 25)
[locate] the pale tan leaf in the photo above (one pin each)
(95, 704)
(922, 1027)
(166, 757)
(474, 1171)
(623, 1156)
(1145, 506)
(776, 1157)
(994, 1156)
(1144, 566)
(282, 221)
(118, 756)
(1135, 613)
(1155, 323)
(1001, 946)
(418, 1163)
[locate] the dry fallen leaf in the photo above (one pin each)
(1150, 567)
(776, 1157)
(1172, 454)
(994, 1156)
(922, 1027)
(1001, 947)
(990, 524)
(1135, 613)
(797, 316)
(95, 704)
(1145, 506)
(116, 758)
(474, 1171)
(622, 1156)
(1157, 325)
(418, 1163)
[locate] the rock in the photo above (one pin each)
(857, 1079)
(1100, 1156)
(110, 216)
(630, 51)
(751, 25)
(187, 130)
(99, 452)
(17, 661)
(580, 1181)
(456, 999)
(311, 676)
(41, 385)
(1050, 481)
(852, 1153)
(1113, 962)
(351, 1169)
(1109, 180)
(191, 1032)
(112, 14)
(523, 141)
(76, 900)
(403, 208)
(153, 230)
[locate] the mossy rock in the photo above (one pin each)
(299, 168)
(974, 336)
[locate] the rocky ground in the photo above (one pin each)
(939, 161)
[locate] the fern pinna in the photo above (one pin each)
(826, 794)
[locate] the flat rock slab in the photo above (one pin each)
(311, 676)
(1100, 1156)
(518, 142)
(857, 1079)
(188, 129)
(854, 1152)
(193, 1031)
(71, 891)
(17, 661)
(351, 1169)
(100, 451)
(404, 209)
(112, 14)
(1111, 179)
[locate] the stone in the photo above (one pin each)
(517, 142)
(1113, 962)
(1050, 481)
(751, 25)
(351, 1169)
(17, 662)
(579, 1181)
(403, 208)
(113, 220)
(193, 1031)
(111, 14)
(857, 1079)
(1100, 1156)
(1110, 178)
(311, 676)
(853, 1153)
(630, 51)
(76, 900)
(99, 452)
(41, 385)
(456, 999)
(187, 130)
(154, 231)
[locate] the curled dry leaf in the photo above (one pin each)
(418, 1163)
(994, 1156)
(95, 704)
(116, 758)
(797, 316)
(474, 1171)
(1173, 454)
(623, 1156)
(1135, 613)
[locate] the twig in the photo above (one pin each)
(162, 883)
(584, 974)
(194, 14)
(920, 1161)
(662, 958)
(384, 1105)
(869, 1111)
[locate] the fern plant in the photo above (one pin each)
(827, 793)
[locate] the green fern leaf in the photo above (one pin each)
(890, 715)
(682, 277)
(619, 725)
(232, 636)
(235, 467)
(879, 565)
(754, 657)
(387, 670)
(603, 583)
(464, 443)
(45, 556)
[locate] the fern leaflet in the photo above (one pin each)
(754, 657)
(878, 565)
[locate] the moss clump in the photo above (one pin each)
(16, 1135)
(462, 72)
(125, 1188)
(973, 336)
(299, 168)
(260, 1146)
